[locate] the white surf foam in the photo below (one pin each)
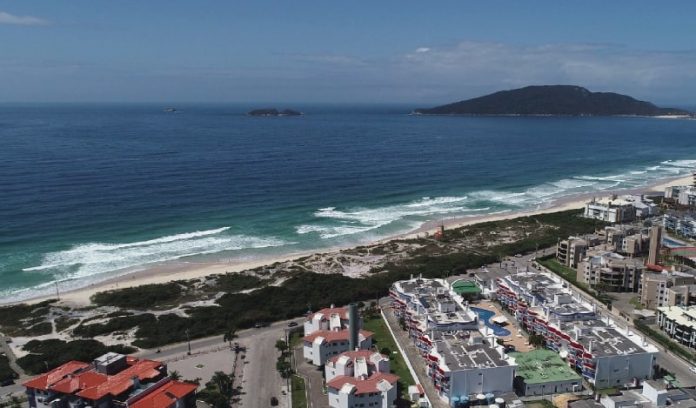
(97, 258)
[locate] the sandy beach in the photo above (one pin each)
(182, 270)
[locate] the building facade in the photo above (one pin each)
(360, 379)
(679, 323)
(605, 354)
(571, 251)
(611, 271)
(612, 209)
(328, 333)
(655, 288)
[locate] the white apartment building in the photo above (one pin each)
(360, 379)
(606, 354)
(611, 270)
(327, 334)
(679, 323)
(684, 195)
(611, 209)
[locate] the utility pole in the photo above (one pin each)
(188, 339)
(57, 291)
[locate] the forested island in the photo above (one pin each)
(567, 100)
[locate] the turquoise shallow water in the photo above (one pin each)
(87, 191)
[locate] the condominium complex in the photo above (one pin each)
(683, 224)
(606, 354)
(360, 379)
(684, 195)
(610, 270)
(679, 323)
(570, 251)
(110, 381)
(611, 209)
(460, 360)
(332, 331)
(665, 289)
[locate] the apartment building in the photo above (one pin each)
(606, 354)
(460, 360)
(332, 331)
(360, 379)
(110, 381)
(679, 323)
(611, 209)
(654, 288)
(570, 251)
(684, 195)
(683, 224)
(611, 271)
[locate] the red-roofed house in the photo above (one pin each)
(321, 345)
(109, 381)
(360, 378)
(331, 318)
(171, 394)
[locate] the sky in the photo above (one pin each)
(415, 52)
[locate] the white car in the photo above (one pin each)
(692, 369)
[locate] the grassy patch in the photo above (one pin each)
(539, 404)
(5, 371)
(299, 396)
(49, 354)
(141, 297)
(569, 274)
(635, 301)
(384, 340)
(25, 320)
(237, 282)
(64, 322)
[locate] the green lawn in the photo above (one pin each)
(570, 274)
(299, 397)
(295, 339)
(383, 339)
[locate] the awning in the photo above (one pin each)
(499, 319)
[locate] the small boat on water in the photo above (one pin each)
(170, 109)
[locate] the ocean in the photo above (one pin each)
(90, 191)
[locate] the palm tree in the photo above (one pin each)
(174, 375)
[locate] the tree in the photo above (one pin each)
(282, 346)
(230, 335)
(174, 375)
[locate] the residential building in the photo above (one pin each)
(460, 360)
(110, 381)
(328, 333)
(684, 195)
(605, 353)
(679, 323)
(682, 295)
(654, 394)
(570, 251)
(360, 379)
(465, 364)
(683, 224)
(654, 288)
(655, 245)
(610, 271)
(611, 209)
(543, 372)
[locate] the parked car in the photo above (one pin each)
(292, 324)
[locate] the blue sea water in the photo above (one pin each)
(88, 191)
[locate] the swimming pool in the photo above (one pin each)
(486, 315)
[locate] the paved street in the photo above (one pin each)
(256, 371)
(314, 381)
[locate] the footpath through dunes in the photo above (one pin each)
(151, 316)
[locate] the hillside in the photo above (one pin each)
(552, 100)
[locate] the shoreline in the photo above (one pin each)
(182, 270)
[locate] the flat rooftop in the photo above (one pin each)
(543, 366)
(460, 355)
(606, 340)
(683, 316)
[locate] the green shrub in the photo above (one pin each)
(49, 354)
(140, 297)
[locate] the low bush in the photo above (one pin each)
(48, 354)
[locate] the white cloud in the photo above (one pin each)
(7, 18)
